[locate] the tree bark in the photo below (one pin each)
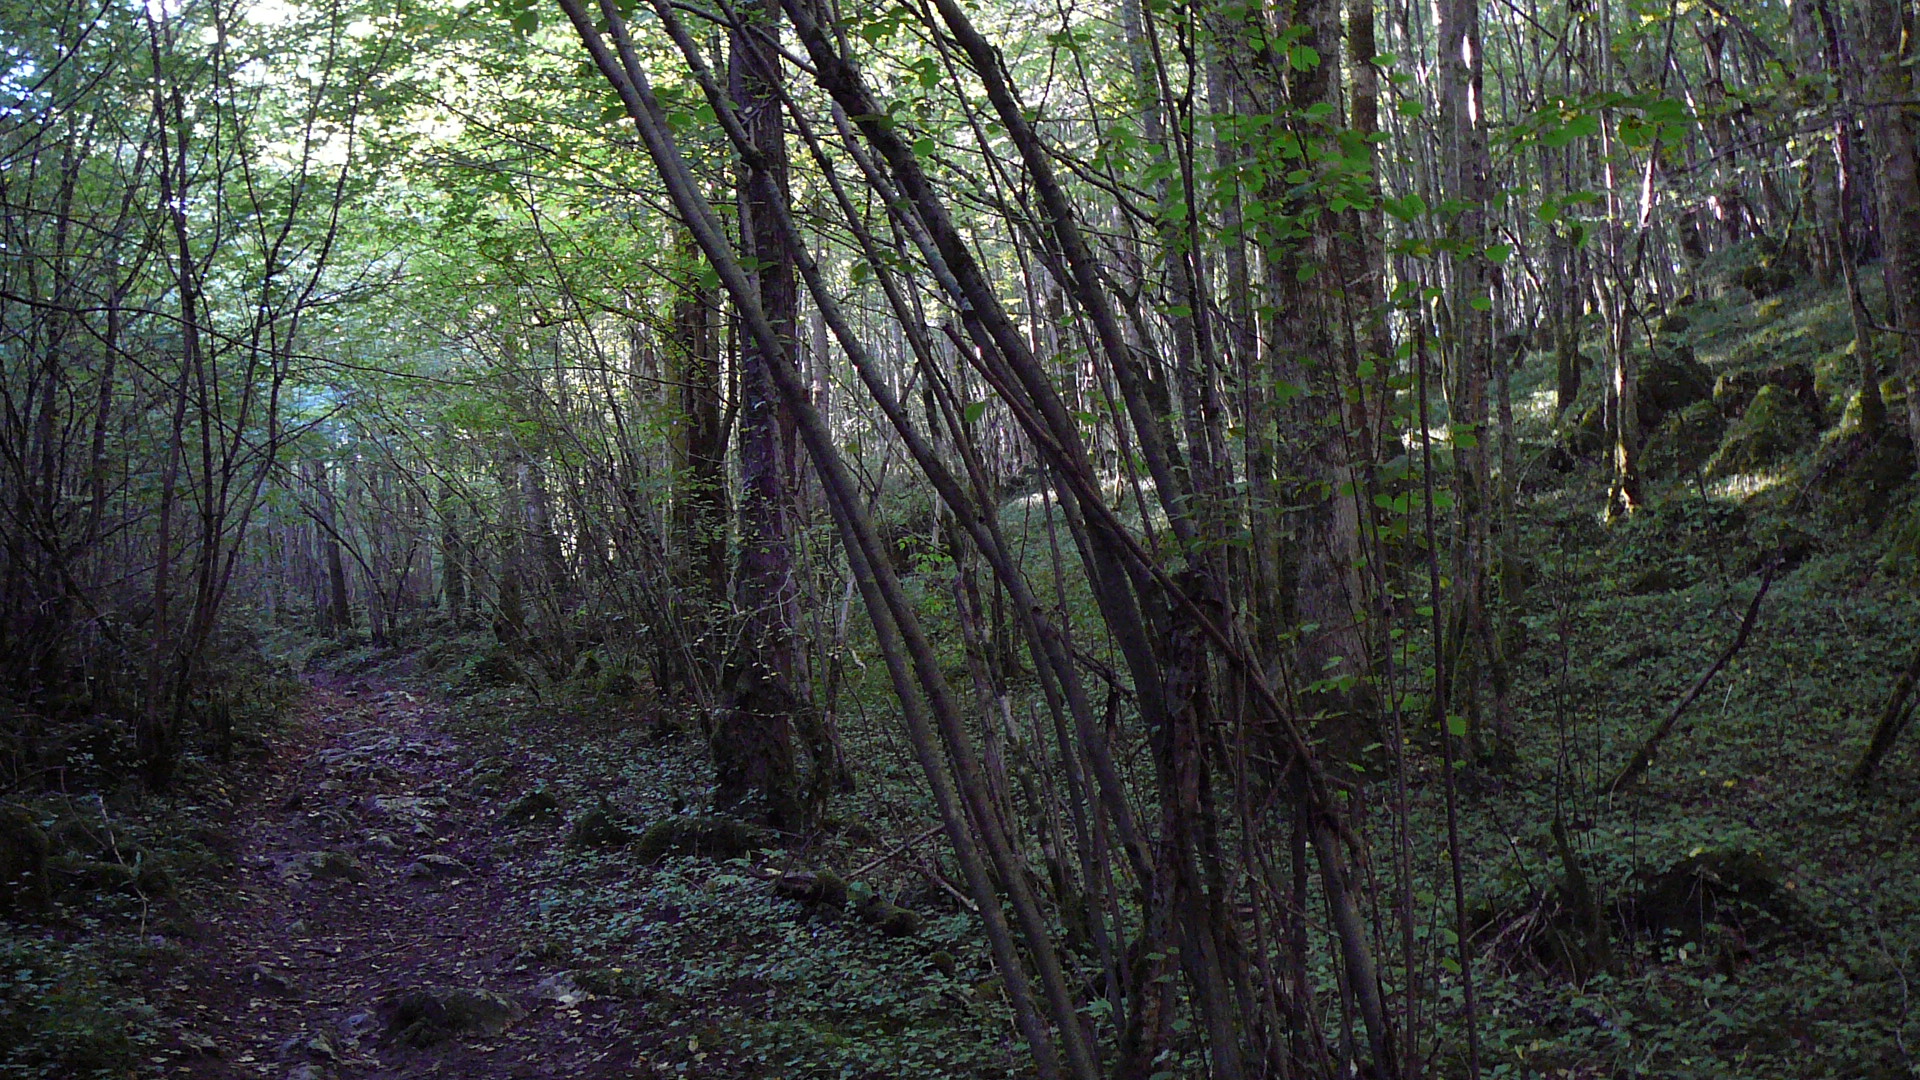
(1889, 26)
(753, 735)
(698, 447)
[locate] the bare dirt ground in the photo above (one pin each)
(374, 925)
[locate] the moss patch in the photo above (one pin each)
(600, 827)
(1774, 427)
(535, 807)
(1686, 440)
(1857, 475)
(712, 836)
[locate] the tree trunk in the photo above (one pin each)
(337, 616)
(1889, 28)
(699, 447)
(753, 744)
(453, 559)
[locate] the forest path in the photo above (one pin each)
(375, 922)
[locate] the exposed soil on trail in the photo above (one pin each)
(374, 923)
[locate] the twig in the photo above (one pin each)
(904, 845)
(1643, 757)
(933, 875)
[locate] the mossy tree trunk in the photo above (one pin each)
(1889, 26)
(1894, 717)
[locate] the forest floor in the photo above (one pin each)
(374, 922)
(437, 834)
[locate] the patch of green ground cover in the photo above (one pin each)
(1644, 605)
(1758, 765)
(1759, 768)
(706, 949)
(123, 876)
(796, 992)
(66, 1010)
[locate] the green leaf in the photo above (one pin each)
(1303, 57)
(1481, 303)
(927, 71)
(1406, 207)
(1577, 126)
(973, 412)
(1457, 726)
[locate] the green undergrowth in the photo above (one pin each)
(722, 969)
(1759, 913)
(66, 1010)
(798, 992)
(125, 878)
(102, 884)
(1621, 620)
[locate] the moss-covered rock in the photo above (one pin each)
(426, 1017)
(1670, 380)
(435, 867)
(23, 863)
(601, 827)
(1900, 556)
(144, 876)
(495, 667)
(1857, 474)
(1734, 392)
(337, 866)
(1763, 279)
(890, 919)
(1685, 441)
(1774, 427)
(708, 835)
(1587, 434)
(1734, 887)
(489, 782)
(533, 808)
(823, 889)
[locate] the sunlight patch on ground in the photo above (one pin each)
(1537, 407)
(1743, 486)
(1116, 490)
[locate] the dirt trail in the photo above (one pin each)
(374, 905)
